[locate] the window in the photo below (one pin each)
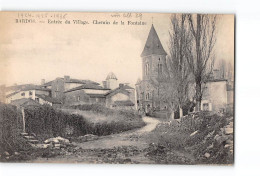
(160, 68)
(23, 94)
(30, 93)
(147, 96)
(205, 107)
(146, 68)
(37, 99)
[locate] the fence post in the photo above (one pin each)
(23, 119)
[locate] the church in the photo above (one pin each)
(153, 66)
(150, 98)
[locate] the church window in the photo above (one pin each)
(147, 96)
(146, 68)
(160, 68)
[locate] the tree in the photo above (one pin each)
(200, 57)
(173, 83)
(180, 40)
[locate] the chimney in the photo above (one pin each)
(66, 78)
(42, 81)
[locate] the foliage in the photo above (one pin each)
(47, 122)
(176, 136)
(10, 127)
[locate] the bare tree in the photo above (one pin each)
(172, 85)
(200, 56)
(177, 63)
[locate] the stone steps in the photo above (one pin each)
(30, 138)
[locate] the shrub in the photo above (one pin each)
(175, 136)
(47, 122)
(10, 127)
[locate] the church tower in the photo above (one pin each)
(153, 65)
(153, 56)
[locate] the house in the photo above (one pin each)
(122, 97)
(28, 91)
(110, 94)
(88, 93)
(60, 85)
(36, 93)
(215, 95)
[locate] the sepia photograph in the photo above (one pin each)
(117, 88)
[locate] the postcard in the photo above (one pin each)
(117, 88)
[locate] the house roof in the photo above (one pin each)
(87, 86)
(127, 87)
(48, 98)
(111, 75)
(35, 87)
(117, 90)
(96, 95)
(153, 44)
(71, 80)
(123, 103)
(25, 102)
(26, 88)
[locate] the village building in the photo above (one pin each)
(33, 92)
(86, 94)
(153, 66)
(217, 92)
(123, 97)
(60, 85)
(111, 94)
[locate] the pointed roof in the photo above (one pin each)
(153, 44)
(111, 75)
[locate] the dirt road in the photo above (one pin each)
(129, 138)
(126, 147)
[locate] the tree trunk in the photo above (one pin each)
(198, 95)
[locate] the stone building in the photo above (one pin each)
(60, 85)
(35, 93)
(153, 66)
(217, 95)
(123, 97)
(111, 81)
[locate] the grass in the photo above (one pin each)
(175, 137)
(94, 117)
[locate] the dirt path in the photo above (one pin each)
(126, 147)
(129, 138)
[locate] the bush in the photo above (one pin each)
(175, 136)
(47, 122)
(10, 127)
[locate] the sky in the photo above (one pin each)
(34, 51)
